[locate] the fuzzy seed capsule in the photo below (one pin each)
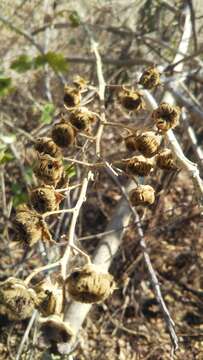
(166, 117)
(46, 145)
(89, 285)
(139, 165)
(81, 119)
(63, 134)
(148, 143)
(45, 198)
(30, 226)
(165, 160)
(55, 331)
(72, 96)
(17, 302)
(150, 78)
(131, 100)
(49, 298)
(142, 195)
(48, 169)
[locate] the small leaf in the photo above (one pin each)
(56, 60)
(47, 113)
(6, 156)
(75, 19)
(19, 194)
(5, 83)
(70, 170)
(22, 63)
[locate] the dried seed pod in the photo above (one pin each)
(139, 165)
(131, 100)
(89, 285)
(63, 134)
(81, 119)
(49, 299)
(148, 143)
(30, 226)
(130, 143)
(142, 195)
(46, 145)
(72, 96)
(45, 198)
(150, 78)
(80, 82)
(48, 169)
(165, 160)
(56, 331)
(18, 301)
(166, 117)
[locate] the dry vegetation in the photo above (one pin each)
(43, 45)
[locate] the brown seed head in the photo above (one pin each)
(166, 117)
(46, 145)
(48, 169)
(56, 331)
(18, 302)
(72, 96)
(81, 119)
(150, 78)
(131, 100)
(139, 165)
(89, 285)
(30, 226)
(63, 134)
(165, 160)
(45, 198)
(148, 143)
(142, 195)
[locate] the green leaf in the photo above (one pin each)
(47, 113)
(19, 194)
(70, 170)
(75, 19)
(56, 60)
(5, 156)
(22, 63)
(5, 83)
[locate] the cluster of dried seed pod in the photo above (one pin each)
(148, 142)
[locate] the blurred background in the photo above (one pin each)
(43, 44)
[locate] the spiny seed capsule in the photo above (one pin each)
(81, 119)
(150, 78)
(89, 284)
(131, 100)
(45, 198)
(46, 145)
(142, 195)
(165, 160)
(139, 165)
(48, 169)
(18, 302)
(30, 226)
(72, 96)
(148, 143)
(56, 331)
(63, 134)
(166, 117)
